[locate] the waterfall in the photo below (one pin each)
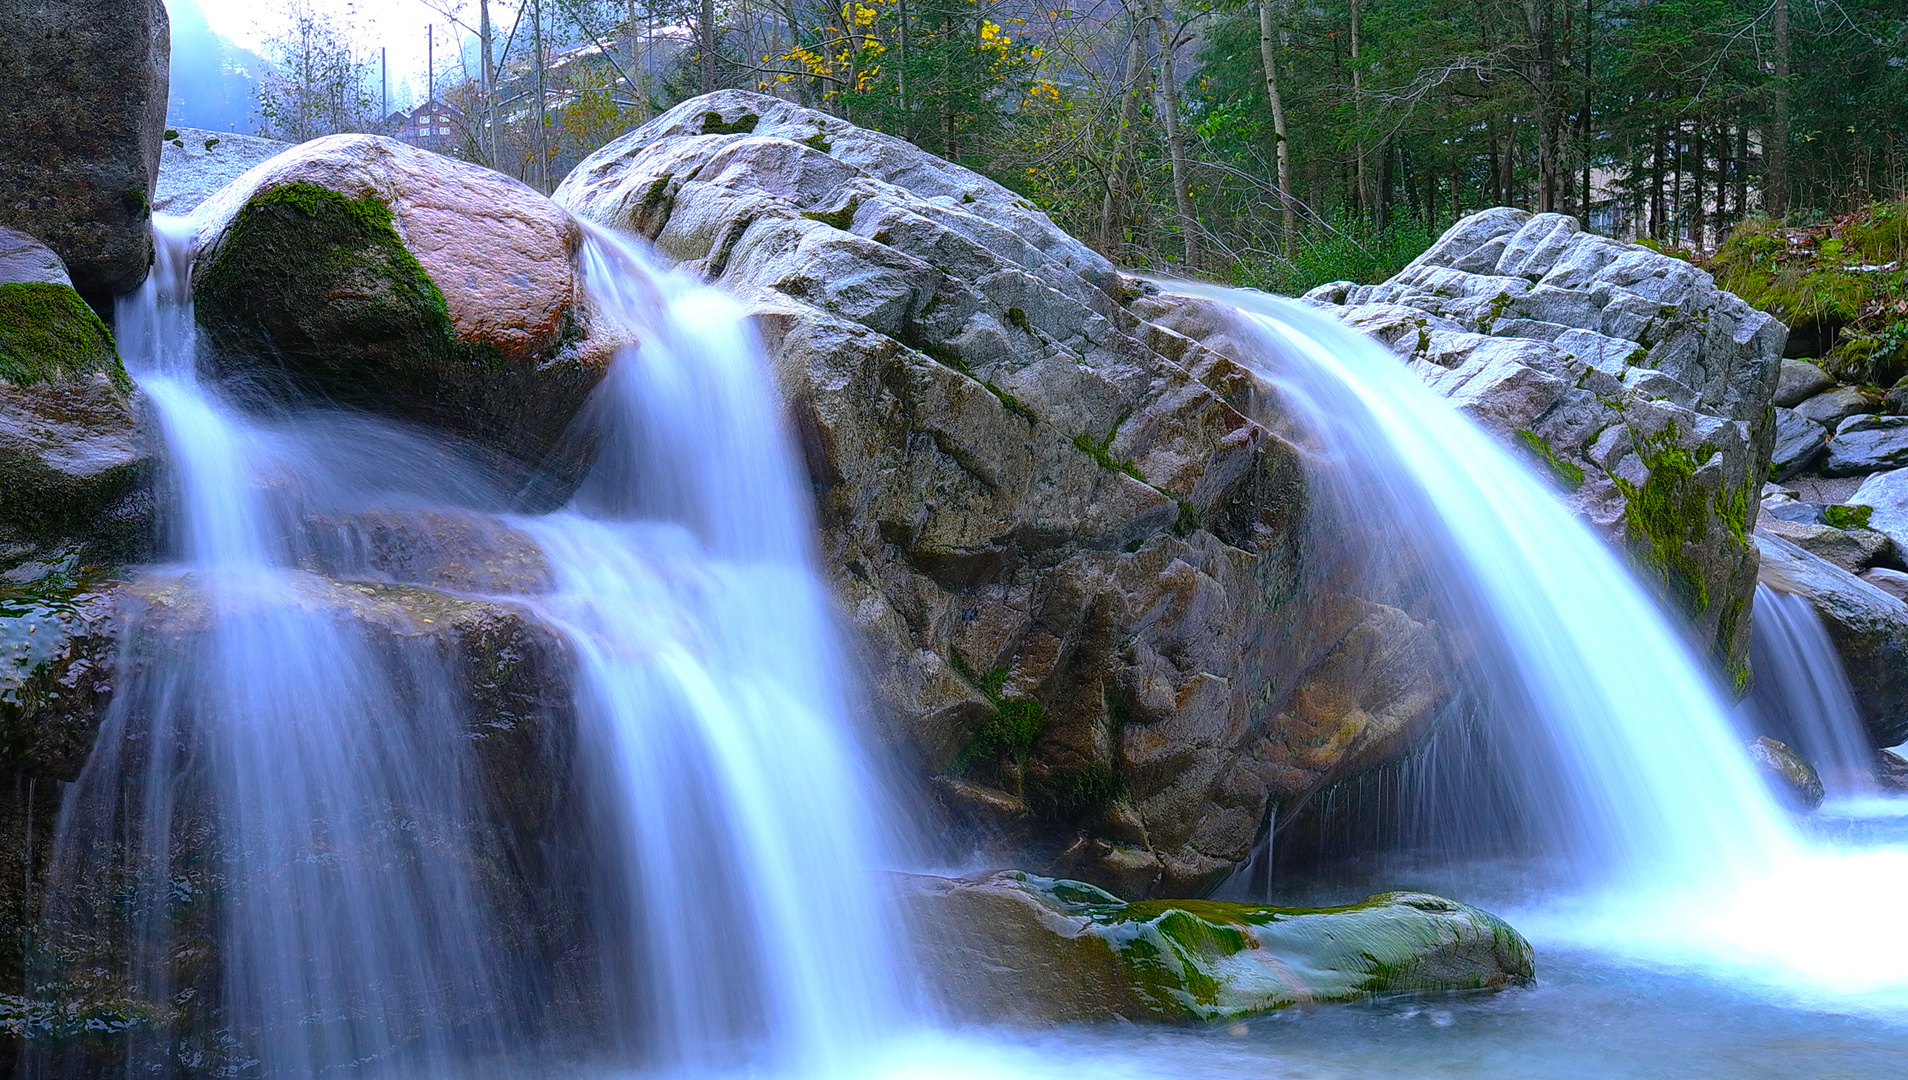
(712, 693)
(1801, 689)
(290, 792)
(1616, 753)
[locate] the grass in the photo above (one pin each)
(1347, 248)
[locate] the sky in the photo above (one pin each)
(398, 26)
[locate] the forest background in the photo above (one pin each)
(1275, 143)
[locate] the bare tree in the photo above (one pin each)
(318, 84)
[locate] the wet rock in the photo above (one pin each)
(1892, 582)
(1799, 441)
(1895, 401)
(1012, 947)
(1794, 779)
(1628, 377)
(388, 278)
(1831, 407)
(57, 643)
(1799, 381)
(83, 88)
(461, 552)
(195, 162)
(1866, 444)
(1069, 547)
(73, 465)
(1891, 767)
(1868, 627)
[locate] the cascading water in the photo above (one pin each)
(712, 694)
(1619, 753)
(742, 922)
(1801, 690)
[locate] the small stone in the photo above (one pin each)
(1799, 381)
(1793, 778)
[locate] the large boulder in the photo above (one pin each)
(1073, 554)
(1627, 375)
(1868, 627)
(388, 278)
(1015, 947)
(83, 88)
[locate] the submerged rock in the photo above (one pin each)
(385, 277)
(83, 88)
(1793, 778)
(1014, 947)
(1626, 375)
(1071, 551)
(1868, 627)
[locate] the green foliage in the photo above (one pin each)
(1847, 517)
(1009, 733)
(1348, 249)
(47, 334)
(1100, 453)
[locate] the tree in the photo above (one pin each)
(318, 84)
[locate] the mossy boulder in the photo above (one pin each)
(73, 464)
(360, 270)
(1013, 946)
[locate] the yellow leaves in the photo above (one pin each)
(1044, 90)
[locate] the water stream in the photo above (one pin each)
(1602, 798)
(1801, 692)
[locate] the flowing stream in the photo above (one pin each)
(740, 921)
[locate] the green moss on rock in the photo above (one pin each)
(48, 335)
(1569, 474)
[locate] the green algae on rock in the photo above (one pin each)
(1014, 946)
(47, 333)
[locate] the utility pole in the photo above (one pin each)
(543, 155)
(489, 142)
(430, 65)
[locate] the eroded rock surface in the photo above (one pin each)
(83, 88)
(395, 280)
(1628, 375)
(1015, 947)
(1071, 551)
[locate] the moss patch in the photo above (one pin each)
(1568, 474)
(48, 334)
(1007, 735)
(713, 124)
(1667, 513)
(1100, 452)
(1847, 517)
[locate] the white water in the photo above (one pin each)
(1680, 854)
(1801, 689)
(713, 696)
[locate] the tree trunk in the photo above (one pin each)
(1697, 221)
(1742, 170)
(488, 143)
(1540, 19)
(1175, 138)
(1358, 115)
(1656, 186)
(1269, 59)
(706, 47)
(1775, 181)
(1119, 185)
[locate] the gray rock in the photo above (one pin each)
(1886, 496)
(1854, 550)
(1043, 490)
(83, 88)
(1892, 582)
(24, 259)
(1831, 407)
(196, 163)
(1799, 441)
(1800, 381)
(1628, 366)
(1789, 508)
(1866, 444)
(1868, 627)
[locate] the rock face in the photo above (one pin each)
(1869, 628)
(392, 279)
(1014, 947)
(195, 162)
(1072, 553)
(1643, 388)
(83, 87)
